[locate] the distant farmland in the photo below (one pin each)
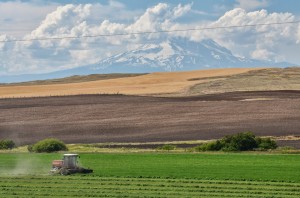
(119, 118)
(188, 107)
(149, 84)
(188, 83)
(194, 105)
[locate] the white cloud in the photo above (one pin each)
(251, 41)
(261, 54)
(251, 4)
(298, 35)
(261, 42)
(181, 10)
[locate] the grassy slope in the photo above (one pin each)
(154, 83)
(164, 83)
(256, 80)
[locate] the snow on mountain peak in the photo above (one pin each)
(177, 54)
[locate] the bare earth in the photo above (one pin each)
(119, 118)
(196, 105)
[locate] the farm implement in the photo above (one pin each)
(68, 165)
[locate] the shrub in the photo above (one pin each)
(30, 148)
(238, 142)
(210, 146)
(266, 143)
(48, 146)
(7, 144)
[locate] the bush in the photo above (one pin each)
(238, 142)
(266, 143)
(210, 146)
(30, 148)
(7, 144)
(48, 146)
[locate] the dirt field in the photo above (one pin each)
(155, 83)
(118, 118)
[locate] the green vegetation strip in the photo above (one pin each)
(95, 186)
(221, 166)
(154, 175)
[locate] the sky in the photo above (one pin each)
(36, 19)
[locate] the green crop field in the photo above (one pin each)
(154, 175)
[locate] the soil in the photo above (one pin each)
(120, 118)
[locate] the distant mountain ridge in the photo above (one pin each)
(175, 54)
(181, 54)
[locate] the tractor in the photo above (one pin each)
(68, 165)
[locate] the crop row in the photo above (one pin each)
(139, 192)
(91, 178)
(131, 187)
(158, 184)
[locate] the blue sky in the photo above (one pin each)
(204, 5)
(33, 19)
(207, 5)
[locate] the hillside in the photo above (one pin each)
(149, 84)
(162, 83)
(255, 80)
(72, 79)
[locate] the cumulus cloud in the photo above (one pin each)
(260, 42)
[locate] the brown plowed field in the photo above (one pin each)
(119, 118)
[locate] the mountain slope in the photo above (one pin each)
(176, 54)
(179, 54)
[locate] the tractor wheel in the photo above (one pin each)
(64, 171)
(54, 171)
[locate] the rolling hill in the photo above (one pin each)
(149, 84)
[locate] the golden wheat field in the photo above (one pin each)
(154, 83)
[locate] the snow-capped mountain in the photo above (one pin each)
(178, 54)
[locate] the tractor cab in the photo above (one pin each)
(70, 161)
(68, 165)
